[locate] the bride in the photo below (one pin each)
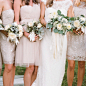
(53, 45)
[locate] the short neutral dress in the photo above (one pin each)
(28, 53)
(7, 48)
(77, 43)
(0, 55)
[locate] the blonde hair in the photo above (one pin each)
(77, 2)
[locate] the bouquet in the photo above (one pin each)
(79, 23)
(15, 32)
(1, 25)
(35, 29)
(61, 24)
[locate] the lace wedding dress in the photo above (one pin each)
(53, 50)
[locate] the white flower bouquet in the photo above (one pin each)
(1, 25)
(35, 29)
(15, 32)
(79, 23)
(59, 23)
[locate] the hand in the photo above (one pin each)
(77, 3)
(4, 32)
(78, 32)
(26, 34)
(36, 37)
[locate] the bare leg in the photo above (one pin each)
(13, 75)
(70, 72)
(34, 75)
(81, 72)
(28, 75)
(0, 71)
(7, 74)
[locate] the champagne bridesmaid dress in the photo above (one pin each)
(27, 53)
(77, 43)
(7, 48)
(0, 55)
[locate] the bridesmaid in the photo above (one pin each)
(0, 56)
(76, 48)
(27, 53)
(7, 48)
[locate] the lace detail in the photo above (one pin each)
(65, 4)
(80, 9)
(7, 48)
(77, 43)
(79, 58)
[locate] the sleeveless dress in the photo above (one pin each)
(7, 48)
(51, 70)
(77, 43)
(0, 55)
(28, 53)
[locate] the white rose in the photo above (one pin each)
(7, 27)
(59, 26)
(30, 24)
(64, 20)
(39, 25)
(68, 26)
(82, 19)
(0, 21)
(54, 14)
(15, 23)
(50, 16)
(77, 23)
(20, 28)
(20, 34)
(12, 36)
(32, 36)
(55, 23)
(34, 21)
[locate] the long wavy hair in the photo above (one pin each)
(78, 2)
(49, 3)
(28, 1)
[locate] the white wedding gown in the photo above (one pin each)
(53, 50)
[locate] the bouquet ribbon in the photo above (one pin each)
(59, 45)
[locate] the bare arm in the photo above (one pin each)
(70, 12)
(42, 14)
(17, 4)
(1, 8)
(83, 0)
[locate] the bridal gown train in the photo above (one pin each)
(52, 67)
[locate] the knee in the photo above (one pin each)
(35, 71)
(31, 69)
(81, 64)
(71, 66)
(8, 69)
